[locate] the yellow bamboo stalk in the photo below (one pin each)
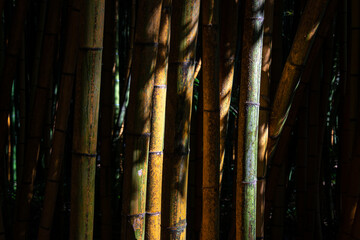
(211, 120)
(155, 167)
(139, 119)
(184, 30)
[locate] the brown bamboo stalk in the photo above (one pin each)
(36, 120)
(106, 121)
(155, 168)
(12, 51)
(308, 26)
(139, 118)
(264, 117)
(228, 36)
(211, 120)
(61, 120)
(184, 30)
(86, 115)
(275, 162)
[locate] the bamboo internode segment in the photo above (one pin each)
(139, 119)
(264, 116)
(303, 40)
(155, 165)
(184, 30)
(249, 103)
(88, 75)
(228, 36)
(211, 120)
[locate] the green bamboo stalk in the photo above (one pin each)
(211, 120)
(155, 168)
(248, 120)
(87, 96)
(178, 117)
(62, 115)
(36, 120)
(139, 118)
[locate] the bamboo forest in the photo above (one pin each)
(180, 119)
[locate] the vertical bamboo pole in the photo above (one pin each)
(228, 36)
(155, 168)
(211, 120)
(106, 121)
(61, 120)
(248, 120)
(178, 117)
(87, 95)
(139, 118)
(264, 117)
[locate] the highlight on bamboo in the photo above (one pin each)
(179, 119)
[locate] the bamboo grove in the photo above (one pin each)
(179, 119)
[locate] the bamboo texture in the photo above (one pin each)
(139, 119)
(184, 30)
(308, 26)
(247, 145)
(264, 116)
(211, 120)
(155, 165)
(86, 114)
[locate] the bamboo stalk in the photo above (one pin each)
(87, 96)
(228, 36)
(106, 121)
(248, 120)
(211, 120)
(139, 118)
(155, 168)
(308, 26)
(264, 117)
(61, 121)
(184, 29)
